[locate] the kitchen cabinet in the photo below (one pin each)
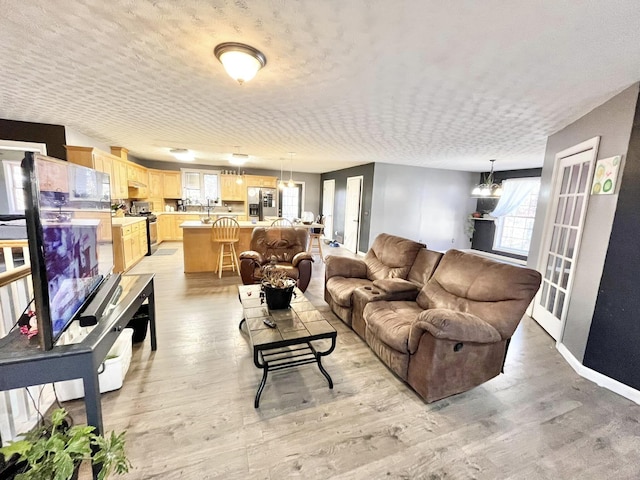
(129, 245)
(104, 230)
(170, 224)
(138, 181)
(103, 162)
(120, 187)
(231, 190)
(156, 182)
(260, 181)
(172, 184)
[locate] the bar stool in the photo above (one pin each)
(226, 231)
(318, 238)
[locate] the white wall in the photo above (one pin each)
(423, 204)
(77, 139)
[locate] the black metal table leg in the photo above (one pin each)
(265, 371)
(324, 372)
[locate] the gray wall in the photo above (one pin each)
(611, 121)
(340, 201)
(423, 204)
(311, 180)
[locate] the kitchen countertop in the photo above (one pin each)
(213, 214)
(123, 221)
(243, 224)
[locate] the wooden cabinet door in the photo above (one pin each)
(142, 240)
(270, 182)
(164, 227)
(121, 189)
(172, 184)
(156, 184)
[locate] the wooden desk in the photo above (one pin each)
(199, 254)
(23, 363)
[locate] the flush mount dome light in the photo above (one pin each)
(182, 154)
(241, 61)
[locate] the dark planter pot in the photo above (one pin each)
(139, 322)
(10, 469)
(278, 298)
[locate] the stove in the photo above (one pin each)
(152, 230)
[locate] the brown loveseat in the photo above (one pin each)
(286, 246)
(445, 328)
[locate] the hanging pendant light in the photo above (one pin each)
(488, 188)
(281, 182)
(291, 183)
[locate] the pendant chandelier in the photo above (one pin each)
(488, 188)
(291, 183)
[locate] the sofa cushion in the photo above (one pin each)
(391, 257)
(341, 288)
(390, 322)
(423, 267)
(496, 292)
(395, 285)
(279, 243)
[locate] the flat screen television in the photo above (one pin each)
(68, 216)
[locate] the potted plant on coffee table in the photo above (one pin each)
(277, 286)
(55, 451)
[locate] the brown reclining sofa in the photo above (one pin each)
(441, 322)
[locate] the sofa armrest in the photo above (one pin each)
(395, 285)
(335, 266)
(451, 325)
(298, 257)
(253, 255)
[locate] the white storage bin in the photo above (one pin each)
(112, 375)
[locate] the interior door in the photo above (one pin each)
(352, 213)
(562, 234)
(328, 198)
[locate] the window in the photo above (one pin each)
(201, 186)
(513, 230)
(13, 182)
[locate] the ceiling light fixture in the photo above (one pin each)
(241, 61)
(291, 183)
(488, 188)
(182, 154)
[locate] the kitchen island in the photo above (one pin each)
(198, 249)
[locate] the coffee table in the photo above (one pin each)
(289, 344)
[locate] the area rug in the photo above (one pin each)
(166, 251)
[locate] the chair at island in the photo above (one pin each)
(226, 231)
(285, 247)
(281, 222)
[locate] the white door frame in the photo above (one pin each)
(360, 181)
(328, 203)
(552, 326)
(23, 146)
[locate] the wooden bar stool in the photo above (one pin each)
(318, 238)
(281, 222)
(226, 231)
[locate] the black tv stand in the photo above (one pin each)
(23, 363)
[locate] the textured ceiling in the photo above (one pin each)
(426, 83)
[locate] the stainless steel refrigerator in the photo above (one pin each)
(263, 202)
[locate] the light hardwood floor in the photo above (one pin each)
(188, 408)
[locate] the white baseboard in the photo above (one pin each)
(598, 378)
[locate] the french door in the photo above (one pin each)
(562, 234)
(352, 213)
(328, 196)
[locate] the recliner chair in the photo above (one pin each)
(284, 246)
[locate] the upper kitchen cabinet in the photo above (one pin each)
(156, 182)
(231, 190)
(136, 175)
(172, 184)
(260, 181)
(103, 162)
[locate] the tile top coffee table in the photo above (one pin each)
(289, 344)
